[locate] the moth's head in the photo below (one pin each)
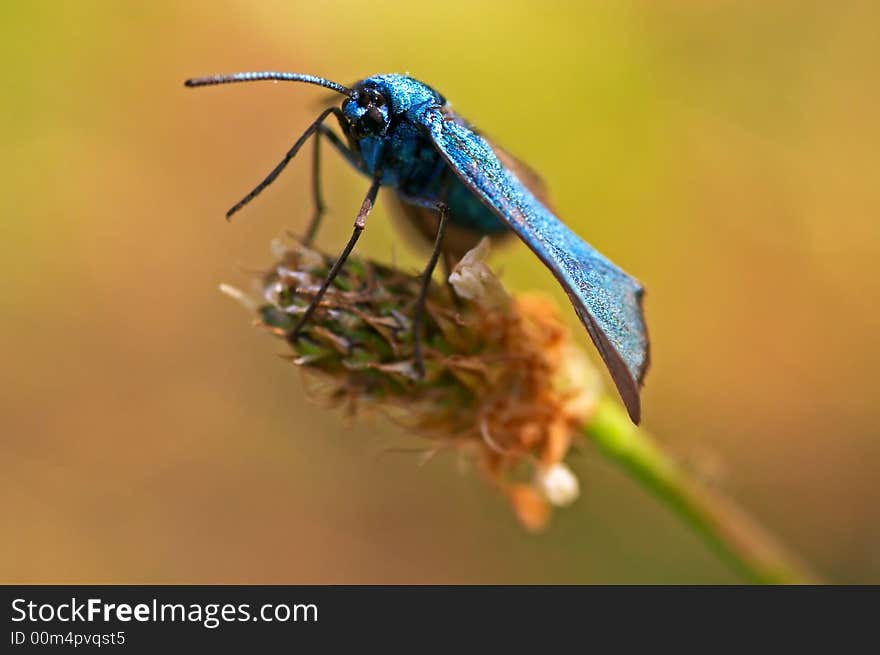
(367, 111)
(376, 100)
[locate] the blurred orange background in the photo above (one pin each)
(726, 153)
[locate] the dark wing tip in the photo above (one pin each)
(628, 385)
(631, 400)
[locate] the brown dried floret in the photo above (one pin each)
(503, 383)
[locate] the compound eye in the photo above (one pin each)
(370, 98)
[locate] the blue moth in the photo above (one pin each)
(456, 186)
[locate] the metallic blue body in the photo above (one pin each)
(403, 135)
(420, 145)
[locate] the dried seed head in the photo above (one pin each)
(503, 381)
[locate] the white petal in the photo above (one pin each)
(558, 484)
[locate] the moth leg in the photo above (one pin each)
(359, 224)
(448, 267)
(418, 316)
(310, 130)
(317, 196)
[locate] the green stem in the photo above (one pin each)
(725, 527)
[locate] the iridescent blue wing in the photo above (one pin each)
(607, 300)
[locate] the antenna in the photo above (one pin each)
(267, 75)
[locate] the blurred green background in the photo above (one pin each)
(726, 153)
